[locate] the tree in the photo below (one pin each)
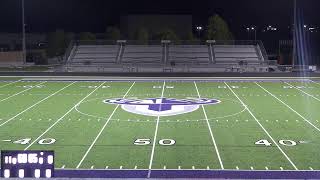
(190, 37)
(113, 33)
(218, 29)
(142, 35)
(87, 36)
(56, 43)
(167, 34)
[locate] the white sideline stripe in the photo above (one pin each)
(314, 82)
(104, 126)
(306, 120)
(36, 140)
(209, 127)
(262, 127)
(303, 92)
(9, 84)
(155, 134)
(35, 104)
(20, 92)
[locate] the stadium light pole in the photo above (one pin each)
(255, 33)
(199, 29)
(294, 33)
(24, 52)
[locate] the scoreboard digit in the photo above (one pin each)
(27, 164)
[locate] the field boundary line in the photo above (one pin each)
(155, 134)
(210, 129)
(35, 104)
(21, 92)
(255, 118)
(102, 129)
(314, 82)
(303, 91)
(305, 119)
(48, 129)
(10, 83)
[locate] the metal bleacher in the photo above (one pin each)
(234, 54)
(142, 54)
(189, 54)
(95, 54)
(165, 55)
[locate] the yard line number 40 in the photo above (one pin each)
(282, 142)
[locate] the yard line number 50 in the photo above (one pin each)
(163, 142)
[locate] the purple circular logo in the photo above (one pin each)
(161, 106)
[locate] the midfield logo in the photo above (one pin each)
(161, 106)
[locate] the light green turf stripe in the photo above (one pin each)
(104, 126)
(268, 134)
(30, 107)
(210, 130)
(62, 117)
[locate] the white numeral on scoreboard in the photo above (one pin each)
(163, 142)
(46, 141)
(282, 142)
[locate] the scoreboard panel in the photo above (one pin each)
(27, 164)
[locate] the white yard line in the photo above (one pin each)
(285, 155)
(155, 134)
(305, 119)
(102, 129)
(21, 92)
(63, 117)
(303, 92)
(210, 129)
(9, 84)
(30, 107)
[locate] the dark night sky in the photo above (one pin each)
(95, 15)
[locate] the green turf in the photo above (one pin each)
(91, 134)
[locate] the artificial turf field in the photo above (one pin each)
(258, 124)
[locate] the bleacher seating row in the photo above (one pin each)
(162, 54)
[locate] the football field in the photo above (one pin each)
(271, 124)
